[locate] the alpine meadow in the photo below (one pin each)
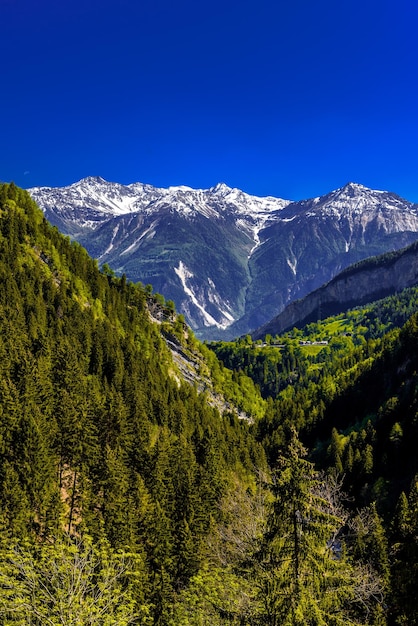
(149, 478)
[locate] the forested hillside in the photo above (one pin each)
(144, 481)
(98, 435)
(349, 385)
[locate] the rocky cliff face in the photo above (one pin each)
(362, 283)
(229, 261)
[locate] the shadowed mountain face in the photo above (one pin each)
(359, 284)
(229, 261)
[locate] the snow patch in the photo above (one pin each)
(148, 232)
(292, 265)
(290, 219)
(184, 275)
(110, 246)
(219, 303)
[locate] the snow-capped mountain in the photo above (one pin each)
(356, 203)
(87, 204)
(229, 260)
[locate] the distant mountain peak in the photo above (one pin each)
(352, 201)
(244, 257)
(175, 188)
(92, 180)
(351, 186)
(221, 188)
(353, 190)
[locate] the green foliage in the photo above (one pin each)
(305, 574)
(216, 596)
(68, 582)
(405, 557)
(117, 472)
(236, 386)
(99, 436)
(354, 401)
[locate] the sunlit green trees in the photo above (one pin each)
(405, 557)
(68, 583)
(305, 575)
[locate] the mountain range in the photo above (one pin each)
(230, 261)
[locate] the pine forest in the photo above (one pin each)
(148, 478)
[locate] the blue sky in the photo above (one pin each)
(291, 99)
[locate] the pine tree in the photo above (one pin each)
(336, 451)
(304, 573)
(405, 558)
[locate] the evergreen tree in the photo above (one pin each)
(405, 558)
(304, 573)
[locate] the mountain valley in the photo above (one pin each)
(148, 478)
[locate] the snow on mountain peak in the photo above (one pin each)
(91, 180)
(354, 199)
(92, 197)
(357, 187)
(220, 188)
(353, 190)
(91, 201)
(176, 188)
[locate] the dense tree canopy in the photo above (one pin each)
(176, 489)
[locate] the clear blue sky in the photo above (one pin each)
(291, 99)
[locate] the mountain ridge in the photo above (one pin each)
(140, 197)
(230, 261)
(364, 282)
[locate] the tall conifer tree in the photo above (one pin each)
(304, 575)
